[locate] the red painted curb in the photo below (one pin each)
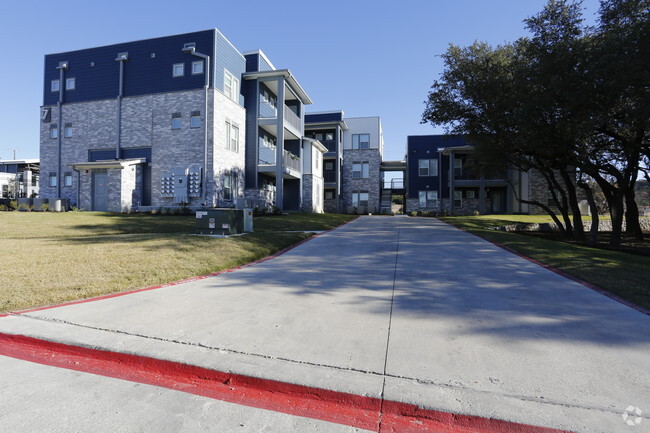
(587, 284)
(362, 412)
(175, 283)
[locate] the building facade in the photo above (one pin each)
(182, 120)
(19, 178)
(352, 175)
(440, 178)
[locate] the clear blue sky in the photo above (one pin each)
(366, 57)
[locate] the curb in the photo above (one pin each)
(368, 413)
(175, 283)
(587, 284)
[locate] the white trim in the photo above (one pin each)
(262, 55)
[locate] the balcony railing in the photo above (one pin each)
(292, 118)
(329, 176)
(290, 160)
(394, 184)
(267, 155)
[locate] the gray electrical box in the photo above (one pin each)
(218, 221)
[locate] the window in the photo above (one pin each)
(318, 136)
(197, 67)
(360, 170)
(329, 166)
(67, 179)
(54, 132)
(195, 119)
(230, 85)
(176, 120)
(360, 199)
(70, 84)
(458, 167)
(428, 167)
(428, 199)
(470, 194)
(67, 130)
(360, 141)
(52, 181)
(55, 85)
(329, 194)
(329, 136)
(458, 198)
(178, 69)
(227, 187)
(232, 138)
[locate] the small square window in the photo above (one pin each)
(52, 181)
(195, 121)
(67, 130)
(54, 133)
(329, 136)
(55, 85)
(178, 70)
(471, 194)
(70, 84)
(329, 166)
(67, 179)
(176, 121)
(197, 67)
(329, 195)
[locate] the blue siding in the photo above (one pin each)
(97, 73)
(255, 63)
(128, 153)
(230, 59)
(335, 116)
(264, 65)
(417, 148)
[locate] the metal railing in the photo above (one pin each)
(292, 118)
(329, 176)
(393, 184)
(290, 160)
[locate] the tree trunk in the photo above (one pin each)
(632, 223)
(578, 226)
(548, 210)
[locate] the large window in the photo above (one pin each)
(428, 167)
(232, 137)
(428, 199)
(360, 198)
(360, 170)
(360, 141)
(230, 86)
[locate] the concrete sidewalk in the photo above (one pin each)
(405, 309)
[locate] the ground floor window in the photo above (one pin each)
(458, 198)
(360, 199)
(428, 199)
(329, 194)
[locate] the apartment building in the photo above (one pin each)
(355, 146)
(182, 120)
(19, 178)
(441, 178)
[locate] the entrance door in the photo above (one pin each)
(99, 191)
(498, 201)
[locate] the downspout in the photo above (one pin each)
(59, 108)
(78, 187)
(206, 86)
(121, 58)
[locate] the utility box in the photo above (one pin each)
(218, 221)
(248, 220)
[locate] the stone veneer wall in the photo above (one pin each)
(146, 122)
(468, 207)
(370, 184)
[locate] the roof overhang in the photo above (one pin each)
(467, 148)
(317, 144)
(291, 80)
(109, 163)
(312, 125)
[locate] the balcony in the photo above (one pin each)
(329, 176)
(293, 120)
(267, 162)
(329, 144)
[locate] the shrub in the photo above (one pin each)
(4, 207)
(13, 205)
(44, 206)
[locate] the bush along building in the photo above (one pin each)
(183, 120)
(352, 164)
(440, 178)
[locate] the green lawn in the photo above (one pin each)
(626, 275)
(50, 258)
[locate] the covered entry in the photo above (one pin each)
(111, 185)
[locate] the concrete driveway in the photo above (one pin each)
(403, 309)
